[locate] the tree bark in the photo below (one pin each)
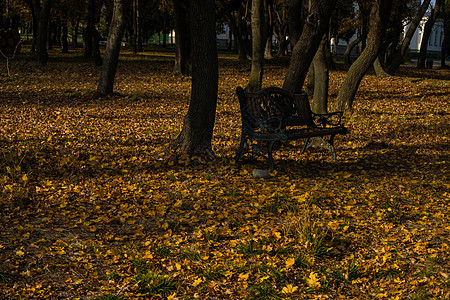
(91, 37)
(42, 17)
(258, 42)
(379, 17)
(235, 23)
(398, 57)
(182, 40)
(321, 79)
(196, 135)
(426, 34)
(315, 27)
(378, 67)
(75, 24)
(295, 21)
(106, 82)
(348, 51)
(268, 28)
(64, 36)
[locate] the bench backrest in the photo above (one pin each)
(274, 102)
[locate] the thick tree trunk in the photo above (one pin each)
(295, 21)
(42, 16)
(91, 37)
(379, 17)
(106, 82)
(315, 27)
(398, 57)
(88, 29)
(321, 79)
(182, 40)
(426, 34)
(196, 135)
(258, 42)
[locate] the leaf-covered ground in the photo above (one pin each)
(91, 209)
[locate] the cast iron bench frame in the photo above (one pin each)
(274, 116)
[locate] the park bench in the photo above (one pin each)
(273, 116)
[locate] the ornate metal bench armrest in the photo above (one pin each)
(324, 120)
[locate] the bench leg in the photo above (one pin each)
(270, 156)
(240, 150)
(320, 142)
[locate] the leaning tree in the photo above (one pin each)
(379, 16)
(111, 58)
(315, 26)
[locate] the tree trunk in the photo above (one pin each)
(64, 42)
(135, 29)
(315, 27)
(310, 82)
(75, 24)
(328, 54)
(426, 34)
(106, 83)
(321, 79)
(235, 24)
(182, 41)
(42, 15)
(378, 67)
(138, 28)
(35, 27)
(295, 21)
(379, 16)
(91, 37)
(398, 57)
(348, 51)
(196, 135)
(49, 37)
(445, 46)
(88, 29)
(258, 42)
(268, 28)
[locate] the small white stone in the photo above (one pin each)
(260, 173)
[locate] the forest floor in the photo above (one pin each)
(91, 209)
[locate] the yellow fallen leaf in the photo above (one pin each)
(289, 289)
(197, 282)
(312, 281)
(243, 277)
(20, 253)
(172, 297)
(290, 262)
(277, 235)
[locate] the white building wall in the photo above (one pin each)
(435, 40)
